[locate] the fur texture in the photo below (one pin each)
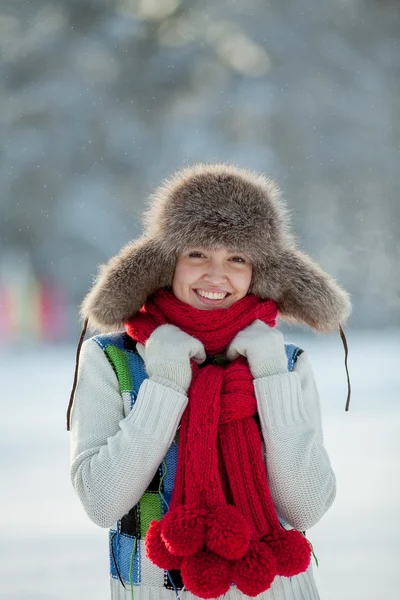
(214, 206)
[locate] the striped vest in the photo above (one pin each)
(128, 561)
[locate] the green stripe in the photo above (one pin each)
(150, 510)
(120, 362)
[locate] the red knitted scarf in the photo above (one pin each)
(221, 527)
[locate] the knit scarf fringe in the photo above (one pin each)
(221, 527)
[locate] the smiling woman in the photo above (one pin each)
(207, 278)
(205, 511)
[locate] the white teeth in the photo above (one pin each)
(212, 295)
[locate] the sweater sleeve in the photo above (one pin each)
(113, 457)
(300, 476)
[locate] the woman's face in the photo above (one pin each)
(208, 279)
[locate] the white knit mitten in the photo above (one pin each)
(167, 355)
(263, 347)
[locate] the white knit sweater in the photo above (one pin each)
(115, 452)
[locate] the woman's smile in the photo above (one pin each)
(211, 298)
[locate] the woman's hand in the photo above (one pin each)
(263, 347)
(167, 355)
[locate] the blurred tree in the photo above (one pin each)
(100, 99)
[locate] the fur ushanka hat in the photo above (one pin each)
(212, 206)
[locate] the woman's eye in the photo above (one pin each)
(238, 259)
(196, 255)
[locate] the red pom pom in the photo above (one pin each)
(183, 530)
(207, 575)
(156, 550)
(228, 533)
(292, 552)
(256, 570)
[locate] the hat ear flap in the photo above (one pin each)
(123, 285)
(304, 293)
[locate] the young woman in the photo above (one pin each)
(196, 431)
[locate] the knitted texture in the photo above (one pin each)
(251, 343)
(167, 356)
(222, 527)
(300, 477)
(215, 328)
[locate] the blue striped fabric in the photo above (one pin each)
(138, 372)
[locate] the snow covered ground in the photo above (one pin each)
(49, 549)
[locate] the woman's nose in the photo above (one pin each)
(215, 274)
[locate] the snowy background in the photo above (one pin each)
(100, 100)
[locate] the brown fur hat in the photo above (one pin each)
(213, 206)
